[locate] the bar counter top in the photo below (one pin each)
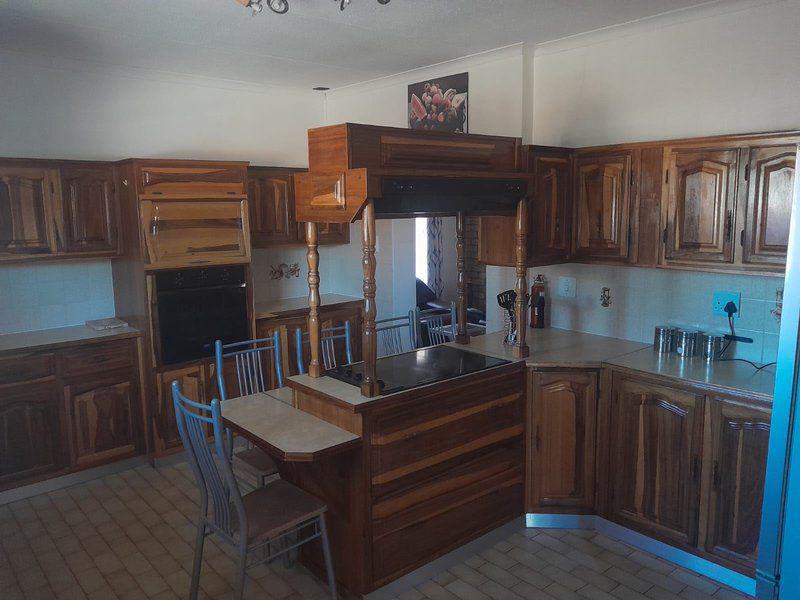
(62, 336)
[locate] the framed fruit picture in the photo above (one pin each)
(439, 104)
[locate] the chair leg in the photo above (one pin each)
(241, 565)
(198, 559)
(326, 551)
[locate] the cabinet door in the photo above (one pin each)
(193, 385)
(740, 439)
(564, 423)
(656, 440)
(89, 210)
(101, 416)
(31, 440)
(184, 233)
(549, 222)
(602, 206)
(770, 182)
(270, 193)
(26, 197)
(701, 192)
(333, 233)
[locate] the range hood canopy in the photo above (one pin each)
(408, 173)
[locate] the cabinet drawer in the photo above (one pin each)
(408, 444)
(24, 367)
(191, 179)
(98, 357)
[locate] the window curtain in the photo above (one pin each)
(435, 255)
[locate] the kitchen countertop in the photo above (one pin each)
(272, 308)
(62, 336)
(723, 375)
(558, 348)
(282, 430)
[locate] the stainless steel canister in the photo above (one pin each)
(712, 346)
(664, 339)
(686, 342)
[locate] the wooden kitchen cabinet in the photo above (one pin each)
(655, 445)
(189, 178)
(700, 191)
(329, 234)
(563, 425)
(101, 412)
(193, 232)
(194, 382)
(549, 214)
(26, 211)
(739, 444)
(769, 183)
(31, 430)
(602, 199)
(270, 194)
(89, 210)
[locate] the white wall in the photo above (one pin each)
(495, 107)
(659, 79)
(78, 111)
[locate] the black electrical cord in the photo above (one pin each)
(733, 334)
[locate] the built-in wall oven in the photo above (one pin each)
(197, 306)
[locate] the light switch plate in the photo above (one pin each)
(722, 298)
(567, 287)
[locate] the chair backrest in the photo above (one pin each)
(253, 359)
(439, 324)
(328, 343)
(212, 468)
(391, 334)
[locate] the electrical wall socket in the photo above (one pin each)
(567, 287)
(722, 298)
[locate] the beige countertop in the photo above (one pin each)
(558, 348)
(284, 431)
(723, 375)
(271, 308)
(61, 336)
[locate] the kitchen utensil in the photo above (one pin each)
(506, 300)
(664, 339)
(711, 346)
(686, 342)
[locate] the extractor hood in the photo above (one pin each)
(408, 173)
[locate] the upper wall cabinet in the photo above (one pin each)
(189, 178)
(769, 182)
(549, 214)
(26, 205)
(602, 205)
(270, 192)
(700, 202)
(89, 210)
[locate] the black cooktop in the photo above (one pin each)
(421, 367)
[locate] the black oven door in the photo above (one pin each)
(190, 320)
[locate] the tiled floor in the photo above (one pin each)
(130, 535)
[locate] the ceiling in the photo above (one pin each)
(314, 44)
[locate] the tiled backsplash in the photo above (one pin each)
(57, 294)
(643, 298)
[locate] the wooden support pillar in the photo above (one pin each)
(520, 348)
(369, 345)
(462, 337)
(315, 367)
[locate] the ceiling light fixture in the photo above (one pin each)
(282, 6)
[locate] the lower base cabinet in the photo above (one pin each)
(562, 426)
(196, 384)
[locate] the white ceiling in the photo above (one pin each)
(314, 44)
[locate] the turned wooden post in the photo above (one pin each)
(461, 309)
(520, 348)
(369, 346)
(315, 368)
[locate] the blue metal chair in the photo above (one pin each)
(263, 523)
(328, 343)
(390, 334)
(436, 326)
(253, 359)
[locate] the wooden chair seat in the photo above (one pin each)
(277, 508)
(255, 462)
